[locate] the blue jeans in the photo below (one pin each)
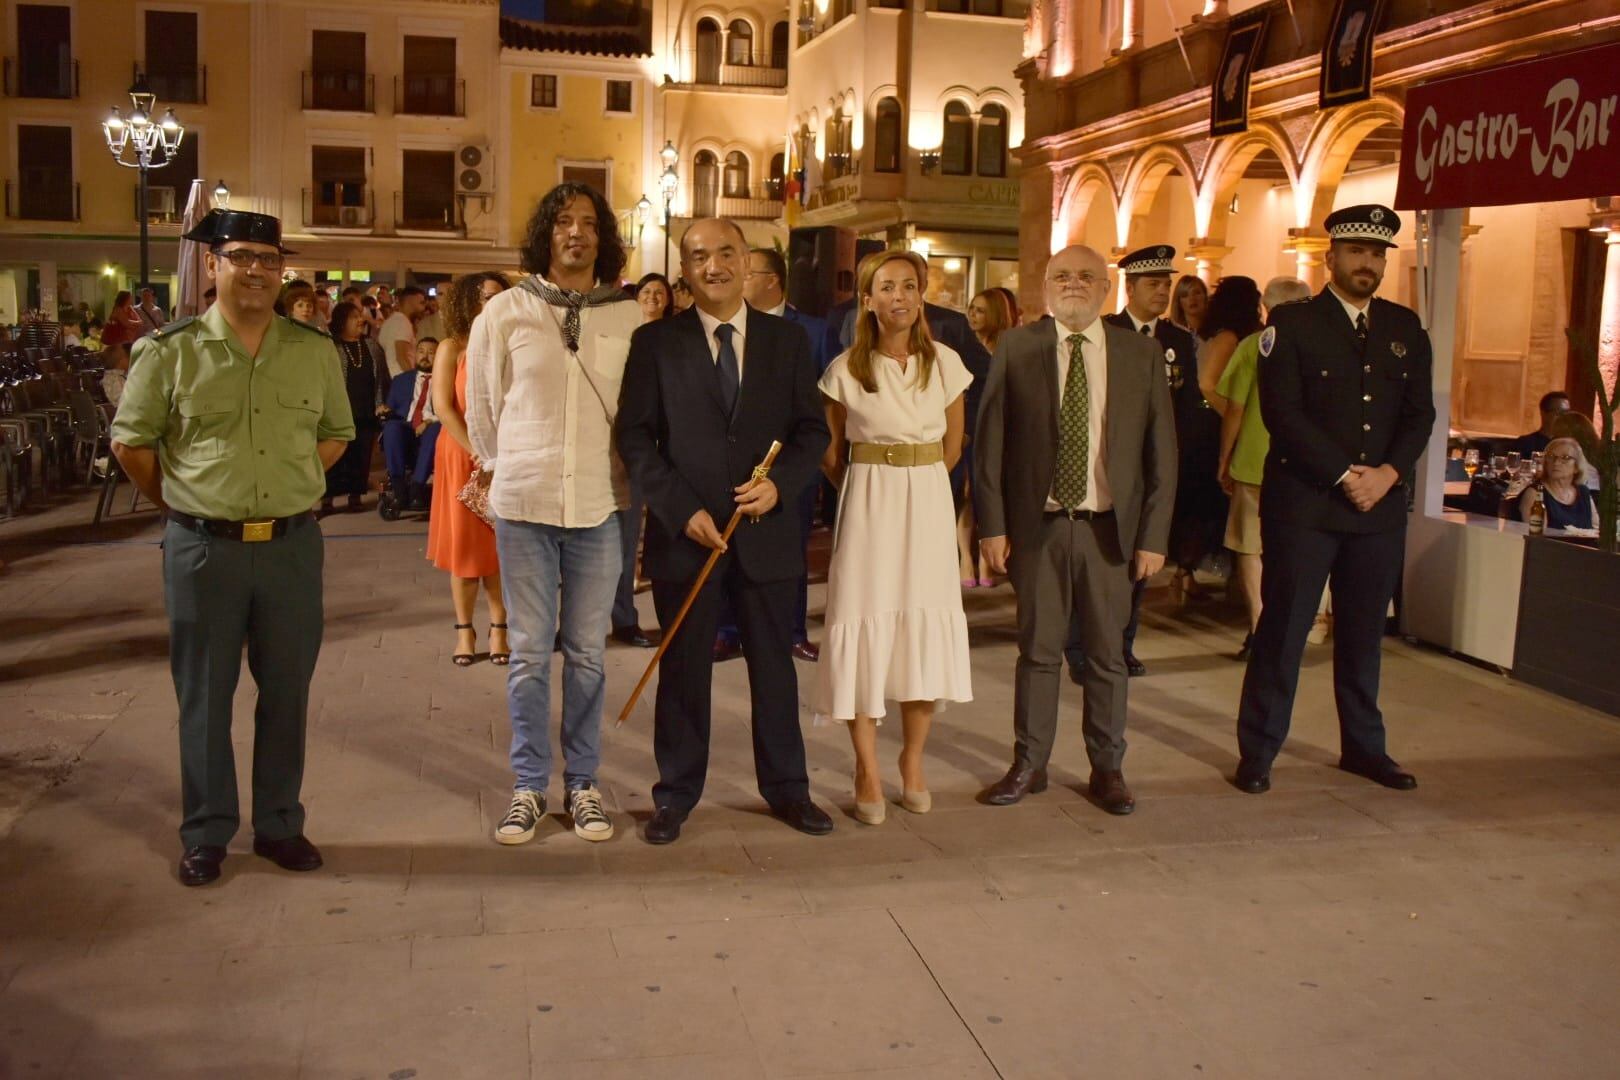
(547, 570)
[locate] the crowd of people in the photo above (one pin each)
(571, 415)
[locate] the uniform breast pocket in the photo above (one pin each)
(204, 424)
(298, 414)
(1326, 385)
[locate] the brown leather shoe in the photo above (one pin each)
(1020, 780)
(1109, 789)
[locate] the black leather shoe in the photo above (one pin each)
(1242, 655)
(1077, 674)
(1134, 666)
(200, 865)
(665, 826)
(1020, 780)
(293, 853)
(633, 635)
(1383, 771)
(726, 649)
(803, 650)
(1252, 779)
(805, 816)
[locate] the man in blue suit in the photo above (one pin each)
(411, 432)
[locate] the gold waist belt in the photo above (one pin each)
(900, 454)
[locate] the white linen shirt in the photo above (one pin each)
(1094, 354)
(539, 417)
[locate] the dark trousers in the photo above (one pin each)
(681, 729)
(625, 616)
(801, 602)
(1074, 568)
(1363, 569)
(222, 594)
(351, 473)
(1074, 651)
(407, 454)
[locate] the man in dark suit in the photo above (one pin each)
(410, 433)
(704, 396)
(1346, 394)
(1073, 483)
(1147, 296)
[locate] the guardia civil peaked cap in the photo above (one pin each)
(220, 226)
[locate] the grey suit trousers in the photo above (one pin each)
(1071, 567)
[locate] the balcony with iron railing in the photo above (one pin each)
(43, 200)
(340, 91)
(41, 77)
(163, 206)
(706, 69)
(762, 202)
(428, 212)
(430, 95)
(340, 206)
(176, 86)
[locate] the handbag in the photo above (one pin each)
(474, 495)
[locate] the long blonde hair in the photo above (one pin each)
(867, 333)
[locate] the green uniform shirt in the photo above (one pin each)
(235, 436)
(1239, 383)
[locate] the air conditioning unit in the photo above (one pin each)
(352, 217)
(475, 171)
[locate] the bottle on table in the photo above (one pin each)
(1537, 518)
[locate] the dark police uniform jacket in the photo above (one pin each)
(1198, 427)
(1329, 405)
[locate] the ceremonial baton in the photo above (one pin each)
(761, 471)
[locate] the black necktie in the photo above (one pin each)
(1146, 329)
(1361, 330)
(726, 369)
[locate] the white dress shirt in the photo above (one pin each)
(1152, 324)
(542, 416)
(1094, 354)
(780, 310)
(421, 396)
(738, 340)
(1350, 308)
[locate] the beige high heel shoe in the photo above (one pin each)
(870, 813)
(918, 802)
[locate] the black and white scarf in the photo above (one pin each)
(573, 302)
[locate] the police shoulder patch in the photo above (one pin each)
(1268, 339)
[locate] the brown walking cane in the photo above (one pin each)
(761, 471)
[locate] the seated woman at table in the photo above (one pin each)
(1566, 497)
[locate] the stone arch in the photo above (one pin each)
(1228, 162)
(1333, 141)
(1079, 201)
(1143, 179)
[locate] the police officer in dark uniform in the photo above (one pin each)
(1147, 273)
(1345, 392)
(228, 423)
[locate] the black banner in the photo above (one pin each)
(1229, 97)
(1347, 54)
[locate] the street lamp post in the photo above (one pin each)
(666, 184)
(145, 136)
(643, 208)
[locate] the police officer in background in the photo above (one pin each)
(1147, 272)
(1345, 391)
(228, 423)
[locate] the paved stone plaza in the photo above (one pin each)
(1330, 928)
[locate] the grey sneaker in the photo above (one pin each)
(519, 824)
(591, 822)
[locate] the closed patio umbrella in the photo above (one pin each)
(193, 275)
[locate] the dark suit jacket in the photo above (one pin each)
(1017, 438)
(684, 454)
(400, 388)
(1329, 407)
(816, 330)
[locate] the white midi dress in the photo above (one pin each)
(895, 630)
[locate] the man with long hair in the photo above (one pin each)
(544, 364)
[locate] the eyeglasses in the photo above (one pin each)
(1088, 279)
(244, 258)
(1561, 457)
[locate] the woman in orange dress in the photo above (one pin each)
(459, 541)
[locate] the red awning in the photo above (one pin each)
(1537, 131)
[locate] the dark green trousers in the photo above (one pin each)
(222, 595)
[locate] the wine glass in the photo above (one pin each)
(1498, 465)
(1514, 460)
(1471, 461)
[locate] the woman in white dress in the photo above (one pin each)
(895, 627)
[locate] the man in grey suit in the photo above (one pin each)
(1074, 481)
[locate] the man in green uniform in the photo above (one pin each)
(228, 423)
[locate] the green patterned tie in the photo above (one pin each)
(1074, 431)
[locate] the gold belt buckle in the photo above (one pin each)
(888, 455)
(256, 532)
